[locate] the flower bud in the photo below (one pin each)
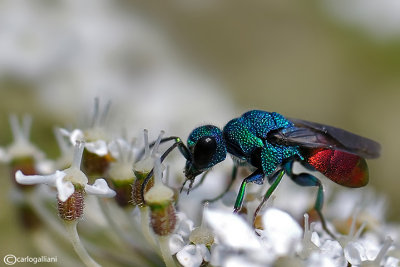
(72, 208)
(160, 200)
(162, 218)
(124, 192)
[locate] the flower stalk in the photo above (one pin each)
(70, 226)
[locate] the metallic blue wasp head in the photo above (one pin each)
(207, 148)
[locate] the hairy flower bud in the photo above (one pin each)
(162, 218)
(124, 192)
(72, 208)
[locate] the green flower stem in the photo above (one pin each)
(70, 226)
(165, 252)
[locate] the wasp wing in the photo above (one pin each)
(315, 135)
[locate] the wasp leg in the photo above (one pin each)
(203, 177)
(257, 175)
(178, 142)
(276, 179)
(306, 179)
(233, 177)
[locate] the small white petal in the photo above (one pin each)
(232, 230)
(39, 179)
(205, 253)
(281, 230)
(176, 243)
(76, 135)
(64, 188)
(189, 256)
(332, 249)
(98, 147)
(355, 253)
(185, 226)
(100, 188)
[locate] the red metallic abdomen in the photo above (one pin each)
(341, 167)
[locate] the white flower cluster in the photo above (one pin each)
(223, 238)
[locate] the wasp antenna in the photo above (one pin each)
(183, 185)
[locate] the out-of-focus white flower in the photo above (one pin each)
(65, 180)
(190, 244)
(281, 231)
(123, 152)
(21, 147)
(31, 46)
(378, 18)
(94, 136)
(225, 223)
(98, 147)
(368, 205)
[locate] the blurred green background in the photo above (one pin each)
(295, 58)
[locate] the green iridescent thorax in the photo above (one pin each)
(247, 138)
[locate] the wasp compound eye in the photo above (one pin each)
(204, 151)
